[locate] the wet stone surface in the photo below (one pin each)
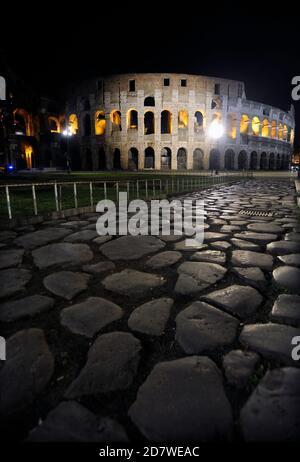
(118, 320)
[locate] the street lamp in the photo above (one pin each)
(216, 129)
(67, 132)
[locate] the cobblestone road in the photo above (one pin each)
(137, 338)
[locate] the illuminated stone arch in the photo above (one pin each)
(149, 123)
(149, 157)
(214, 159)
(117, 159)
(133, 159)
(100, 123)
(181, 159)
(292, 136)
(229, 159)
(149, 101)
(242, 160)
(23, 122)
(183, 119)
(198, 121)
(263, 161)
(166, 158)
(280, 131)
(166, 122)
(231, 125)
(253, 160)
(255, 125)
(132, 119)
(115, 118)
(54, 124)
(272, 161)
(265, 128)
(273, 129)
(198, 156)
(244, 124)
(278, 162)
(73, 123)
(285, 132)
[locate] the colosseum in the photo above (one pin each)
(175, 122)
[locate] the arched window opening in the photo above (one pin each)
(292, 136)
(54, 124)
(100, 123)
(214, 159)
(166, 156)
(22, 122)
(115, 118)
(231, 126)
(102, 159)
(278, 162)
(242, 160)
(253, 160)
(133, 159)
(285, 132)
(198, 122)
(132, 119)
(166, 122)
(87, 125)
(273, 129)
(265, 128)
(272, 161)
(149, 157)
(149, 101)
(181, 159)
(244, 124)
(229, 159)
(263, 161)
(255, 126)
(117, 159)
(183, 119)
(280, 132)
(198, 159)
(149, 123)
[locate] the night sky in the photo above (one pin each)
(52, 49)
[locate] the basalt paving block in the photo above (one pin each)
(66, 284)
(90, 316)
(25, 307)
(272, 413)
(239, 366)
(13, 280)
(131, 247)
(164, 259)
(102, 239)
(7, 235)
(283, 247)
(272, 341)
(183, 400)
(295, 237)
(151, 317)
(63, 254)
(220, 245)
(292, 259)
(288, 277)
(249, 258)
(100, 267)
(259, 238)
(252, 276)
(74, 224)
(242, 301)
(265, 228)
(111, 365)
(202, 327)
(132, 283)
(182, 246)
(85, 235)
(197, 276)
(213, 236)
(26, 372)
(211, 256)
(11, 257)
(286, 309)
(71, 422)
(42, 237)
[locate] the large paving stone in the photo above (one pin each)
(288, 277)
(25, 307)
(272, 413)
(183, 400)
(181, 246)
(164, 259)
(249, 258)
(12, 257)
(131, 247)
(220, 245)
(100, 267)
(151, 317)
(295, 237)
(71, 422)
(74, 224)
(13, 280)
(252, 276)
(66, 284)
(239, 366)
(260, 238)
(26, 372)
(111, 365)
(102, 239)
(242, 301)
(211, 256)
(202, 327)
(292, 259)
(283, 247)
(62, 254)
(272, 341)
(265, 228)
(197, 276)
(286, 309)
(7, 235)
(85, 235)
(213, 236)
(244, 245)
(41, 237)
(132, 283)
(90, 316)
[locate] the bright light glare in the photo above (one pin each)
(67, 132)
(216, 129)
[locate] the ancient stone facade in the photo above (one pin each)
(175, 121)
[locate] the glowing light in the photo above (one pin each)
(216, 129)
(10, 167)
(67, 132)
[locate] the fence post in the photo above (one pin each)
(56, 197)
(117, 190)
(34, 200)
(153, 184)
(128, 189)
(137, 188)
(91, 194)
(8, 202)
(160, 188)
(75, 195)
(105, 190)
(146, 189)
